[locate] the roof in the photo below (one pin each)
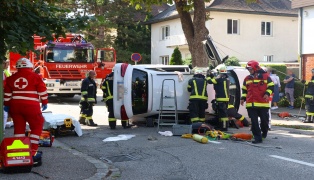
(262, 7)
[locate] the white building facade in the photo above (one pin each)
(247, 35)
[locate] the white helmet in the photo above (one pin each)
(24, 63)
(221, 68)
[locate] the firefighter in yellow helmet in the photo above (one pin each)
(221, 86)
(198, 98)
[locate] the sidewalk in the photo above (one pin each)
(63, 162)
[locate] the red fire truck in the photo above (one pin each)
(64, 62)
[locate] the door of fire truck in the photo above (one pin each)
(105, 61)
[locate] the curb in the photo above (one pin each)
(103, 170)
(292, 114)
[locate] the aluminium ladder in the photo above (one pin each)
(169, 110)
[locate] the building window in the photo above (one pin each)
(268, 58)
(164, 60)
(266, 28)
(165, 32)
(232, 26)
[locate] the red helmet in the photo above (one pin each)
(253, 64)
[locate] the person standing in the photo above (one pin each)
(221, 86)
(289, 89)
(88, 99)
(107, 88)
(277, 86)
(197, 86)
(22, 95)
(5, 75)
(309, 99)
(256, 89)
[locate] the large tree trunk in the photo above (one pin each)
(195, 31)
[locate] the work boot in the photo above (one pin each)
(245, 122)
(222, 128)
(112, 124)
(90, 123)
(307, 119)
(37, 158)
(82, 120)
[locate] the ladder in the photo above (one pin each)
(163, 108)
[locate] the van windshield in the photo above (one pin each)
(69, 55)
(139, 92)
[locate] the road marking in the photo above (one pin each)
(293, 160)
(214, 142)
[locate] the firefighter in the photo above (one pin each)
(221, 86)
(240, 119)
(107, 88)
(197, 86)
(256, 89)
(88, 99)
(309, 99)
(22, 95)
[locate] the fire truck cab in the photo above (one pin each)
(64, 62)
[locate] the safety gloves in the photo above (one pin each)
(44, 107)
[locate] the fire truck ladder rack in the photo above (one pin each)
(173, 116)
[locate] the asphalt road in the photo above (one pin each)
(285, 154)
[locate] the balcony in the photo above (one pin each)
(176, 40)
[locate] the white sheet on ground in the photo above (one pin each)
(121, 137)
(53, 120)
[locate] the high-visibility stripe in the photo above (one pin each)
(44, 98)
(269, 91)
(18, 154)
(34, 136)
(309, 113)
(42, 93)
(204, 88)
(244, 87)
(257, 104)
(19, 135)
(6, 99)
(25, 98)
(230, 106)
(224, 119)
(108, 88)
(91, 99)
(83, 115)
(34, 141)
(26, 92)
(309, 96)
(225, 88)
(242, 117)
(195, 86)
(112, 119)
(222, 99)
(202, 119)
(17, 144)
(8, 94)
(194, 119)
(89, 117)
(198, 97)
(214, 81)
(84, 92)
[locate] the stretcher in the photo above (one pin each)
(60, 124)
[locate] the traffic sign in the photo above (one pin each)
(136, 57)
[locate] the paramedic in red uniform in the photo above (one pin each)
(23, 93)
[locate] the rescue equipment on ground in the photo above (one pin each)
(16, 155)
(284, 114)
(187, 136)
(180, 129)
(45, 139)
(200, 138)
(241, 136)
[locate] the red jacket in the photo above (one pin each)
(25, 87)
(255, 87)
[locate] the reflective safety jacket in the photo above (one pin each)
(255, 87)
(221, 86)
(107, 88)
(198, 87)
(89, 90)
(25, 87)
(309, 94)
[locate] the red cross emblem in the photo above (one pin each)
(20, 83)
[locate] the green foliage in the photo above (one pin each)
(283, 102)
(187, 61)
(176, 57)
(232, 61)
(280, 70)
(299, 101)
(20, 20)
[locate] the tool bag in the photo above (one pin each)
(45, 139)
